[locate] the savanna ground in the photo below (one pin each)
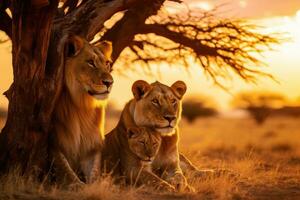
(267, 159)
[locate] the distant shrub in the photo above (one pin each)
(193, 109)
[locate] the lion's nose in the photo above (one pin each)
(107, 83)
(170, 118)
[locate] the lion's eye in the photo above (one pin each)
(155, 102)
(142, 142)
(91, 63)
(173, 101)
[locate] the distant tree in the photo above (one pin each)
(259, 104)
(197, 108)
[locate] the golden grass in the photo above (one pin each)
(267, 159)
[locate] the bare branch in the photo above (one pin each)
(219, 46)
(177, 37)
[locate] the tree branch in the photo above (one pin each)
(217, 45)
(179, 38)
(88, 18)
(123, 32)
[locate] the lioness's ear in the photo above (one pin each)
(139, 89)
(74, 45)
(179, 88)
(106, 48)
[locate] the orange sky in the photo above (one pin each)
(284, 64)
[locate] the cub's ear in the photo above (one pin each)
(140, 88)
(132, 132)
(106, 48)
(74, 45)
(179, 88)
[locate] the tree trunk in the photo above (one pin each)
(23, 141)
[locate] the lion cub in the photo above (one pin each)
(128, 153)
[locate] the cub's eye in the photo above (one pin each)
(91, 63)
(155, 101)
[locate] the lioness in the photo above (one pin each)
(129, 152)
(158, 106)
(79, 114)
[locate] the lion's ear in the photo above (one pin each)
(140, 88)
(106, 48)
(179, 88)
(74, 45)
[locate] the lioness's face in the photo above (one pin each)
(88, 68)
(157, 105)
(143, 142)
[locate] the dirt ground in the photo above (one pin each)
(266, 158)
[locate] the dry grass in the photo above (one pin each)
(266, 157)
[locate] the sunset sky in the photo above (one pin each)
(284, 63)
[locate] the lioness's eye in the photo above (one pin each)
(155, 102)
(91, 63)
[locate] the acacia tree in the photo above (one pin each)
(39, 29)
(199, 107)
(259, 105)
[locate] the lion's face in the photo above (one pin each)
(157, 105)
(87, 69)
(143, 142)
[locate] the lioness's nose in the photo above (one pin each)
(107, 83)
(170, 118)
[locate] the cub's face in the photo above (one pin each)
(143, 142)
(158, 106)
(88, 69)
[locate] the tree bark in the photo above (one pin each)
(23, 139)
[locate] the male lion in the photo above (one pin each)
(158, 106)
(79, 114)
